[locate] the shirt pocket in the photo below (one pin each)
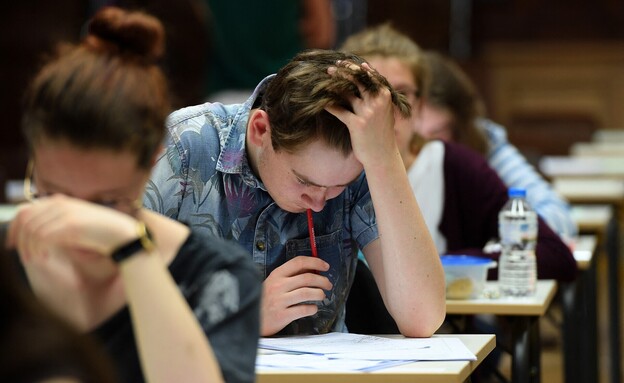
(337, 254)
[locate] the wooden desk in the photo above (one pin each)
(606, 225)
(566, 166)
(601, 220)
(590, 189)
(592, 218)
(523, 314)
(597, 149)
(602, 185)
(585, 247)
(530, 306)
(424, 371)
(608, 135)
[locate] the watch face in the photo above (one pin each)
(145, 237)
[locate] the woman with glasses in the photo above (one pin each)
(166, 303)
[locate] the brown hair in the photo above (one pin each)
(451, 89)
(386, 42)
(36, 345)
(296, 98)
(107, 92)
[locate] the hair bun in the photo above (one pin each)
(127, 32)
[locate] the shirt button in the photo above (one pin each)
(260, 245)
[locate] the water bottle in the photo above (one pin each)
(517, 229)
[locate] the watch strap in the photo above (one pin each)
(143, 242)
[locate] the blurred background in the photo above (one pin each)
(552, 72)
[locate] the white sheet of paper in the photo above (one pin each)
(367, 347)
(316, 362)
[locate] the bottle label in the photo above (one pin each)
(517, 273)
(518, 232)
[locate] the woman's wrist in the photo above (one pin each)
(141, 241)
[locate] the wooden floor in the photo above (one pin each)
(552, 361)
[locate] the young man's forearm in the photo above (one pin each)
(411, 278)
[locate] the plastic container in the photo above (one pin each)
(465, 275)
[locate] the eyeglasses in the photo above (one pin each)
(123, 204)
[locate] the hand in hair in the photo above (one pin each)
(371, 118)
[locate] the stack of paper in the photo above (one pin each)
(353, 352)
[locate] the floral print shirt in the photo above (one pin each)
(203, 178)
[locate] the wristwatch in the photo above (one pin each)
(143, 242)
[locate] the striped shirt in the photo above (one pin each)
(515, 171)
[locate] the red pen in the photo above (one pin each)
(311, 231)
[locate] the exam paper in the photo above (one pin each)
(366, 347)
(316, 362)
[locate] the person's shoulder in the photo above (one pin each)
(494, 132)
(199, 112)
(433, 147)
(200, 129)
(473, 180)
(462, 155)
(466, 163)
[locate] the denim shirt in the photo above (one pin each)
(204, 179)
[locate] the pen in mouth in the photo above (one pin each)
(312, 236)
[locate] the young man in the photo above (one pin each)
(317, 136)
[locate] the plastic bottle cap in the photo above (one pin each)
(466, 260)
(516, 192)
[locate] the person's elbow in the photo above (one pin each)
(425, 322)
(564, 270)
(556, 262)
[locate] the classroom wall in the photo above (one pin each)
(30, 29)
(551, 71)
(539, 64)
